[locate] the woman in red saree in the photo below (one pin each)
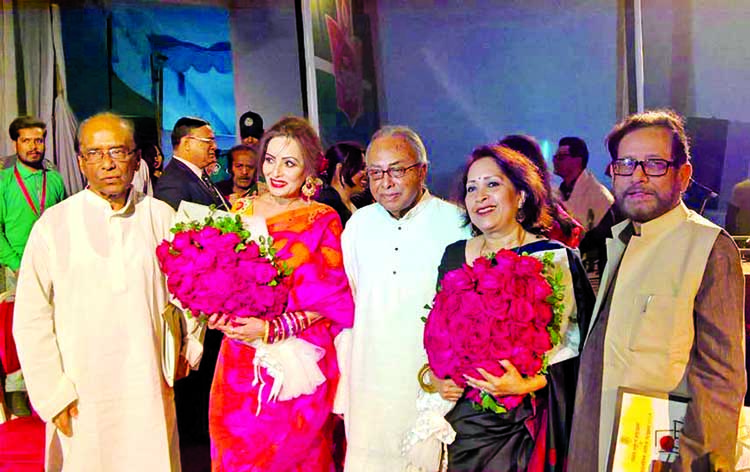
(250, 430)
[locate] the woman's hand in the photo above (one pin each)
(447, 388)
(510, 383)
(242, 329)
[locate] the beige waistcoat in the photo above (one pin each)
(650, 331)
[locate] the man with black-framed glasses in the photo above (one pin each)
(669, 316)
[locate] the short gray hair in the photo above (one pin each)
(407, 134)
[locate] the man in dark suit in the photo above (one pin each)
(185, 178)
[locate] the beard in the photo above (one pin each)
(653, 206)
(34, 161)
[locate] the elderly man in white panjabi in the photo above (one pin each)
(88, 317)
(391, 253)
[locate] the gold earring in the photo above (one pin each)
(310, 188)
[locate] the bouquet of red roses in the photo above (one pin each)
(506, 307)
(214, 267)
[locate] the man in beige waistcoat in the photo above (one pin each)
(669, 313)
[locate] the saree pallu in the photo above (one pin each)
(532, 437)
(290, 435)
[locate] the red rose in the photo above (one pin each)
(251, 251)
(521, 311)
(505, 261)
(481, 267)
(511, 401)
(491, 282)
(538, 288)
(542, 314)
(182, 240)
(207, 236)
(528, 266)
(458, 280)
(494, 310)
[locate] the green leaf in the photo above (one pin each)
(490, 403)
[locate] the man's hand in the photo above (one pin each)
(63, 419)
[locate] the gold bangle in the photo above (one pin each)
(426, 386)
(265, 333)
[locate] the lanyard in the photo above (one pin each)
(26, 191)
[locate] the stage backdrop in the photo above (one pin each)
(197, 62)
(341, 81)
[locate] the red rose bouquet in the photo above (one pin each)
(506, 307)
(215, 267)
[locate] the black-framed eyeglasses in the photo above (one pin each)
(562, 155)
(651, 167)
(119, 154)
(394, 172)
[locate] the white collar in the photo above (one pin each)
(102, 203)
(196, 170)
(414, 211)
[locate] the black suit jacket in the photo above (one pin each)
(179, 183)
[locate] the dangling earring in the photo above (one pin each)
(310, 187)
(520, 215)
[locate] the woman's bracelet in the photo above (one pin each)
(426, 386)
(285, 326)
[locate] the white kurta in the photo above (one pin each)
(392, 266)
(87, 327)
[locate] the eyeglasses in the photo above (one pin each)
(119, 154)
(562, 155)
(394, 172)
(203, 140)
(651, 167)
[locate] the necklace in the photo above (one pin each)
(482, 250)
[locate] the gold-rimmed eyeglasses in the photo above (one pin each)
(201, 139)
(119, 154)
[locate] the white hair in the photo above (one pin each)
(407, 134)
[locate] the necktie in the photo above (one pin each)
(218, 199)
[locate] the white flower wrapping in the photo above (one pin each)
(292, 365)
(423, 444)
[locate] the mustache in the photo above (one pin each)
(638, 188)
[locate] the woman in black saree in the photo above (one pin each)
(507, 206)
